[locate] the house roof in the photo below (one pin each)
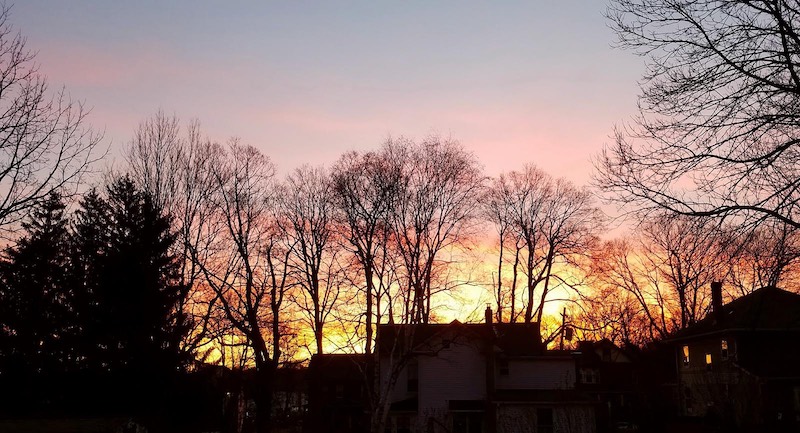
(591, 352)
(768, 308)
(337, 366)
(514, 339)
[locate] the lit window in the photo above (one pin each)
(708, 361)
(685, 356)
(724, 349)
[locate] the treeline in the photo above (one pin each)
(649, 283)
(198, 252)
(392, 235)
(90, 306)
(201, 253)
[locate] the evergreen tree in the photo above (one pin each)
(37, 325)
(89, 247)
(138, 291)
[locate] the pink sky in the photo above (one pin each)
(515, 82)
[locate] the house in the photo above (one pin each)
(474, 378)
(289, 398)
(607, 374)
(740, 365)
(337, 398)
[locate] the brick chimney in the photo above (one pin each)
(716, 301)
(488, 314)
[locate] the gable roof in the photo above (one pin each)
(514, 339)
(337, 366)
(768, 308)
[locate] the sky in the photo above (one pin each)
(515, 82)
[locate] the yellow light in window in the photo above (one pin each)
(724, 344)
(708, 359)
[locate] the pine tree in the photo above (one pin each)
(37, 323)
(89, 247)
(139, 290)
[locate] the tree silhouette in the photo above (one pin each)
(45, 145)
(36, 323)
(546, 223)
(307, 217)
(88, 248)
(717, 130)
(138, 293)
(366, 187)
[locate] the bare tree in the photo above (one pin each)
(366, 187)
(548, 222)
(154, 157)
(666, 267)
(307, 217)
(619, 271)
(688, 255)
(238, 266)
(764, 256)
(406, 211)
(497, 211)
(717, 131)
(435, 211)
(45, 145)
(611, 314)
(175, 166)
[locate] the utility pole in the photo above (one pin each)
(563, 326)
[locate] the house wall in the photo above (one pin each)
(400, 390)
(702, 387)
(455, 373)
(538, 373)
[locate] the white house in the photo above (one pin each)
(475, 378)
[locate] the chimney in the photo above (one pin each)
(488, 315)
(716, 301)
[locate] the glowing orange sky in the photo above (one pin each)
(515, 82)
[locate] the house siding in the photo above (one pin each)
(456, 373)
(538, 374)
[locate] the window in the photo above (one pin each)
(724, 349)
(685, 356)
(708, 361)
(588, 375)
(544, 420)
(502, 367)
(412, 376)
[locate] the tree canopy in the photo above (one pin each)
(717, 130)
